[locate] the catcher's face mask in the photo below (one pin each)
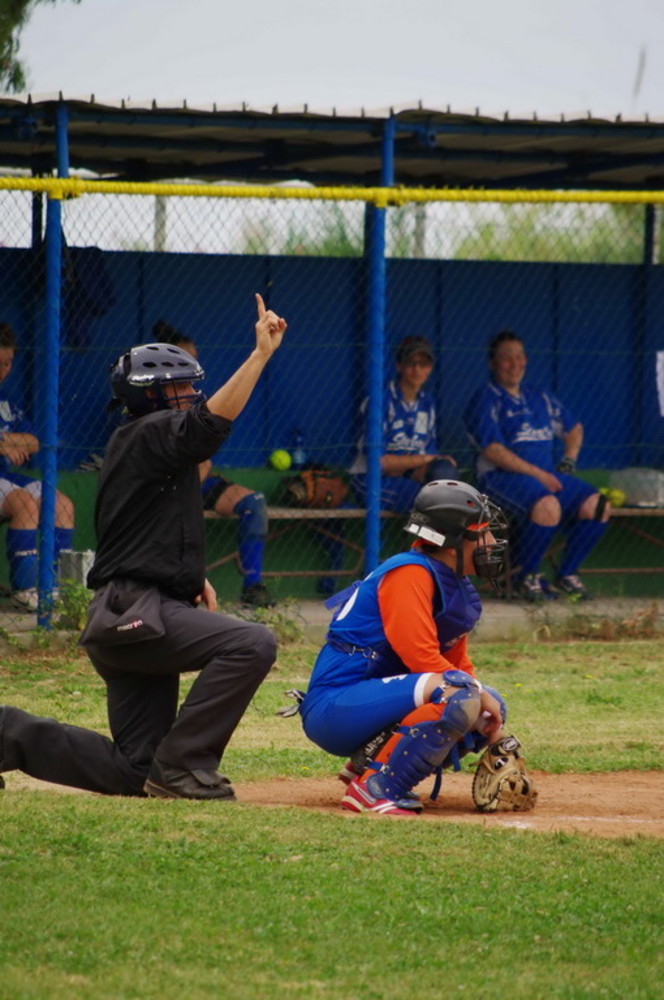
(489, 555)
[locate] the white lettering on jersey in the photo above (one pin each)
(528, 433)
(421, 423)
(6, 413)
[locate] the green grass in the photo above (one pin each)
(140, 899)
(122, 898)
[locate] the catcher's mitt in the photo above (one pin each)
(501, 779)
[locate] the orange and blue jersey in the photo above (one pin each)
(409, 618)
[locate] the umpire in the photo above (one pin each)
(145, 627)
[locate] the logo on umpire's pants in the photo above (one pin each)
(124, 628)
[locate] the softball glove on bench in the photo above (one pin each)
(501, 780)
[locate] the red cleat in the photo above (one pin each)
(358, 798)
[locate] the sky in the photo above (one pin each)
(550, 57)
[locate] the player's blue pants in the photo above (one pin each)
(397, 493)
(341, 717)
(517, 495)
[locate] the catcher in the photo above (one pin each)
(394, 687)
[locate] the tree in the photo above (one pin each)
(576, 233)
(14, 15)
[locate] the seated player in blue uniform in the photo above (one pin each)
(515, 426)
(20, 495)
(394, 687)
(230, 499)
(410, 448)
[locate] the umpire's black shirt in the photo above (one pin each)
(149, 510)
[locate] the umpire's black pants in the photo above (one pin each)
(142, 681)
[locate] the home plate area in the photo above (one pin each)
(618, 804)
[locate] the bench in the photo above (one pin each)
(629, 552)
(313, 518)
(626, 514)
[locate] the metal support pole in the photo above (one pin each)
(160, 213)
(651, 235)
(376, 296)
(48, 450)
(650, 257)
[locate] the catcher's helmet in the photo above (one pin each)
(138, 375)
(447, 511)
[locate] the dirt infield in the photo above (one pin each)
(624, 804)
(606, 805)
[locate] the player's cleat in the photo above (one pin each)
(26, 600)
(549, 591)
(256, 595)
(358, 799)
(164, 782)
(348, 773)
(574, 586)
(534, 588)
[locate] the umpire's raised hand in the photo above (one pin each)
(230, 399)
(270, 329)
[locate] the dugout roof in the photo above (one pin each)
(432, 147)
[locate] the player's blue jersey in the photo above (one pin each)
(12, 421)
(528, 424)
(408, 428)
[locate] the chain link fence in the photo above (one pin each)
(577, 280)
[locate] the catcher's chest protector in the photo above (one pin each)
(461, 606)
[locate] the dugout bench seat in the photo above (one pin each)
(631, 554)
(320, 521)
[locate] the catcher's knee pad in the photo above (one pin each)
(475, 741)
(252, 511)
(423, 746)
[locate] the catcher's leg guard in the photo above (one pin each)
(420, 746)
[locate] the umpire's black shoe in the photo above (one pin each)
(165, 782)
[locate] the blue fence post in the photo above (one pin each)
(376, 296)
(48, 450)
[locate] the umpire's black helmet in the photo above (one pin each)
(138, 375)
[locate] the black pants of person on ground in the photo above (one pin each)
(142, 681)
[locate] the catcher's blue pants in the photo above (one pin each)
(340, 719)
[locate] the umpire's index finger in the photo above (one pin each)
(260, 305)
